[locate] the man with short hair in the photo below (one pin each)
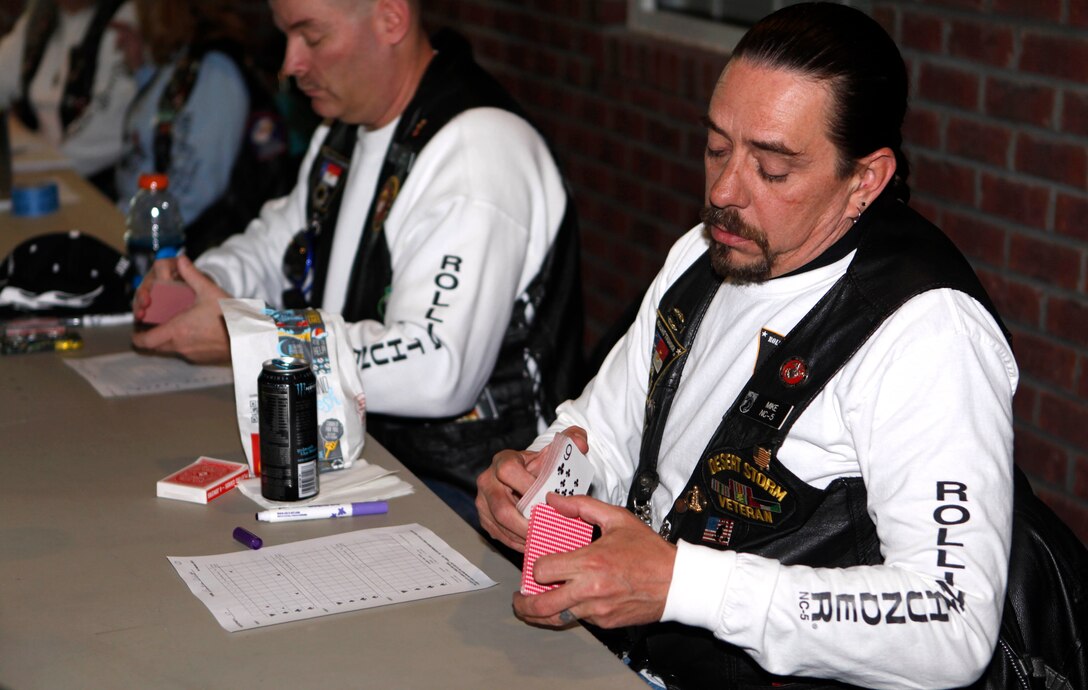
(813, 407)
(432, 216)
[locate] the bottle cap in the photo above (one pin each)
(154, 181)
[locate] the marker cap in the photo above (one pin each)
(248, 538)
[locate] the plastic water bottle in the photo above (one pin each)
(155, 229)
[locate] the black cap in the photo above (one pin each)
(65, 273)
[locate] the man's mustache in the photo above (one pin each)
(729, 219)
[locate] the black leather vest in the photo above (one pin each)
(742, 495)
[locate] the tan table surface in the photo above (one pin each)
(89, 600)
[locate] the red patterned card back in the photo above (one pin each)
(550, 532)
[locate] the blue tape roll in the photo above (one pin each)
(37, 200)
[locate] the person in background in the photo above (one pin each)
(429, 213)
(862, 539)
(190, 118)
(63, 75)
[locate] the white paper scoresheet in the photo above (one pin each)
(127, 373)
(318, 577)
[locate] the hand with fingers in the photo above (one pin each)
(197, 334)
(500, 486)
(620, 579)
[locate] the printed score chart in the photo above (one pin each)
(333, 574)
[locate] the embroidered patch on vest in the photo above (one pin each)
(718, 531)
(667, 348)
(328, 180)
(762, 456)
(764, 410)
(743, 490)
(768, 343)
(386, 197)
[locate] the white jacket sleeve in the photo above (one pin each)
(466, 235)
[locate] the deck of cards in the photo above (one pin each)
(563, 469)
(202, 481)
(550, 532)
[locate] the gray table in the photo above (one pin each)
(89, 600)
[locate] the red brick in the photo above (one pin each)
(1046, 10)
(1051, 159)
(959, 4)
(1026, 402)
(987, 42)
(610, 11)
(976, 238)
(945, 180)
(1075, 112)
(1082, 387)
(1068, 318)
(1045, 360)
(1055, 55)
(922, 128)
(1071, 216)
(1078, 14)
(1080, 477)
(1064, 418)
(1029, 103)
(922, 32)
(949, 85)
(1017, 302)
(1057, 264)
(979, 141)
(1040, 458)
(1016, 201)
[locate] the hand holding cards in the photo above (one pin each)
(168, 298)
(563, 469)
(550, 532)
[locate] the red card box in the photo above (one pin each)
(202, 480)
(550, 532)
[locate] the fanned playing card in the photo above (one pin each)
(564, 470)
(550, 532)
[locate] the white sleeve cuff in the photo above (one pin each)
(700, 579)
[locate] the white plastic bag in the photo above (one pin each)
(259, 333)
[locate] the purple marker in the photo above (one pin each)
(248, 538)
(321, 512)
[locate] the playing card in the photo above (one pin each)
(550, 532)
(564, 470)
(168, 298)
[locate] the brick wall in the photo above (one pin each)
(997, 136)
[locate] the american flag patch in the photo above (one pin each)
(330, 173)
(550, 532)
(718, 531)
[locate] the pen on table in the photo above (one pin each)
(92, 320)
(320, 512)
(42, 325)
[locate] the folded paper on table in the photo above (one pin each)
(361, 482)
